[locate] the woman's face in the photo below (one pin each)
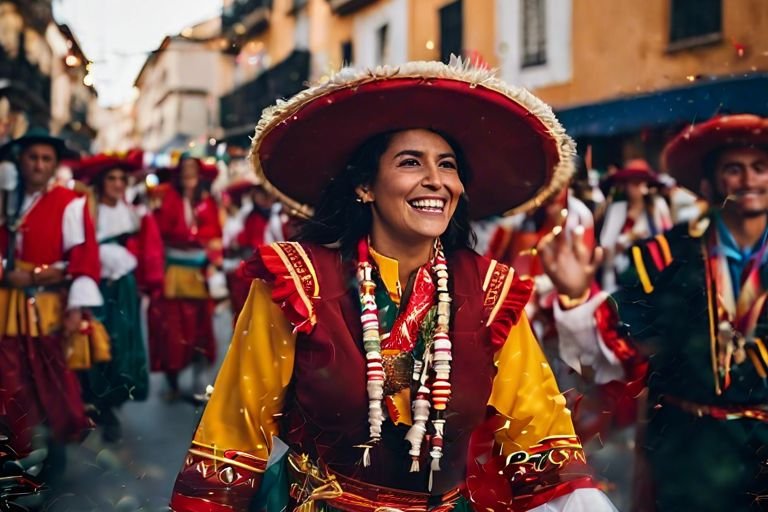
(115, 182)
(636, 189)
(417, 187)
(190, 175)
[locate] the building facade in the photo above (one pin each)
(117, 128)
(73, 98)
(640, 71)
(178, 89)
(621, 75)
(42, 72)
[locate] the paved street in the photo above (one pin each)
(136, 474)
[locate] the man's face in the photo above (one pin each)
(38, 164)
(741, 177)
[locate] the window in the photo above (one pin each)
(382, 44)
(534, 32)
(451, 30)
(694, 22)
(347, 53)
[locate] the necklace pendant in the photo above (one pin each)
(398, 368)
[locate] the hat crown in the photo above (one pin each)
(510, 139)
(37, 131)
(684, 156)
(639, 164)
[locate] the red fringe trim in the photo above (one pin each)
(511, 310)
(267, 265)
(607, 321)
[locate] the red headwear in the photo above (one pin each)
(683, 157)
(87, 169)
(517, 151)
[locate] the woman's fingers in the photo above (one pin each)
(598, 255)
(579, 247)
(546, 253)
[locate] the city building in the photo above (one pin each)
(42, 75)
(621, 75)
(73, 98)
(280, 45)
(178, 89)
(116, 125)
(640, 71)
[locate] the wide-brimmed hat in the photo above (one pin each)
(684, 156)
(208, 172)
(637, 169)
(89, 168)
(37, 135)
(517, 151)
(241, 186)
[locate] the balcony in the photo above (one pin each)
(27, 88)
(344, 7)
(245, 17)
(241, 109)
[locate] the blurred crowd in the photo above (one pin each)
(123, 266)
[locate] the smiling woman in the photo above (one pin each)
(379, 363)
(404, 189)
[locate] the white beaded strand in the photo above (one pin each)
(437, 357)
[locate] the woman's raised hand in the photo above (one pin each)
(569, 263)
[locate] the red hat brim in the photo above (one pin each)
(626, 175)
(513, 154)
(684, 156)
(87, 169)
(208, 172)
(238, 188)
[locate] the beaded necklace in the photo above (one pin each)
(432, 372)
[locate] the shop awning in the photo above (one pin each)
(693, 103)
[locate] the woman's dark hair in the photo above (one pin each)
(98, 181)
(340, 219)
(200, 189)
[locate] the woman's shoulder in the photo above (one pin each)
(471, 269)
(295, 272)
(300, 257)
(504, 293)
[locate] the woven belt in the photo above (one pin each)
(731, 412)
(310, 484)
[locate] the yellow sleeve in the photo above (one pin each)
(233, 440)
(250, 388)
(536, 455)
(526, 394)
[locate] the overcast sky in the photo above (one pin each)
(117, 35)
